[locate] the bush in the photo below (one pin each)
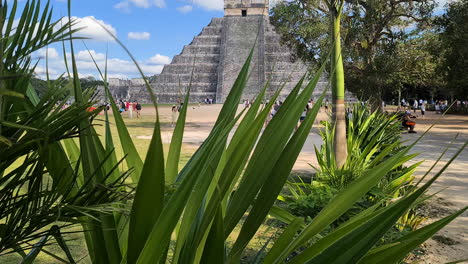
(308, 200)
(373, 137)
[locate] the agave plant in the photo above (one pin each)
(372, 137)
(188, 215)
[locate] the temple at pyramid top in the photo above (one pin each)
(245, 7)
(211, 62)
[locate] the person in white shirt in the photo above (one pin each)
(423, 109)
(415, 105)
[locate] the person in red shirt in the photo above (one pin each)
(127, 105)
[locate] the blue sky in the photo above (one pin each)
(153, 30)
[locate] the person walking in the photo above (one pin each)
(423, 109)
(174, 114)
(415, 105)
(130, 110)
(138, 109)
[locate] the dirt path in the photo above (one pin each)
(454, 182)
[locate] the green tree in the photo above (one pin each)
(327, 15)
(454, 37)
(415, 67)
(371, 30)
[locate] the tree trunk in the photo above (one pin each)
(338, 91)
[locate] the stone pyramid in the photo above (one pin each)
(212, 61)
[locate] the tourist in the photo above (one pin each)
(349, 113)
(246, 103)
(275, 109)
(127, 105)
(423, 109)
(122, 107)
(415, 105)
(437, 107)
(130, 110)
(138, 109)
(174, 110)
(310, 104)
(408, 123)
(303, 116)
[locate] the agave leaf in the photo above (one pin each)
(214, 248)
(276, 180)
(164, 226)
(268, 151)
(241, 144)
(342, 202)
(61, 242)
(355, 244)
(288, 234)
(399, 249)
(173, 157)
(149, 197)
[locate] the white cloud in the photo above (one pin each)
(159, 59)
(51, 53)
(91, 28)
(185, 9)
(210, 4)
(117, 68)
(126, 4)
(84, 55)
(139, 35)
(159, 3)
(141, 3)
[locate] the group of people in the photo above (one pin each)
(208, 100)
(130, 107)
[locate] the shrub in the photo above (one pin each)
(308, 200)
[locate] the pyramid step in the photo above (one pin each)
(285, 66)
(196, 78)
(273, 38)
(195, 87)
(201, 49)
(190, 67)
(196, 58)
(216, 22)
(275, 48)
(211, 30)
(275, 57)
(207, 40)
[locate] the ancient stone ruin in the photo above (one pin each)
(212, 61)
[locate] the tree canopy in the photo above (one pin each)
(371, 32)
(453, 28)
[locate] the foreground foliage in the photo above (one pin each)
(188, 215)
(41, 189)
